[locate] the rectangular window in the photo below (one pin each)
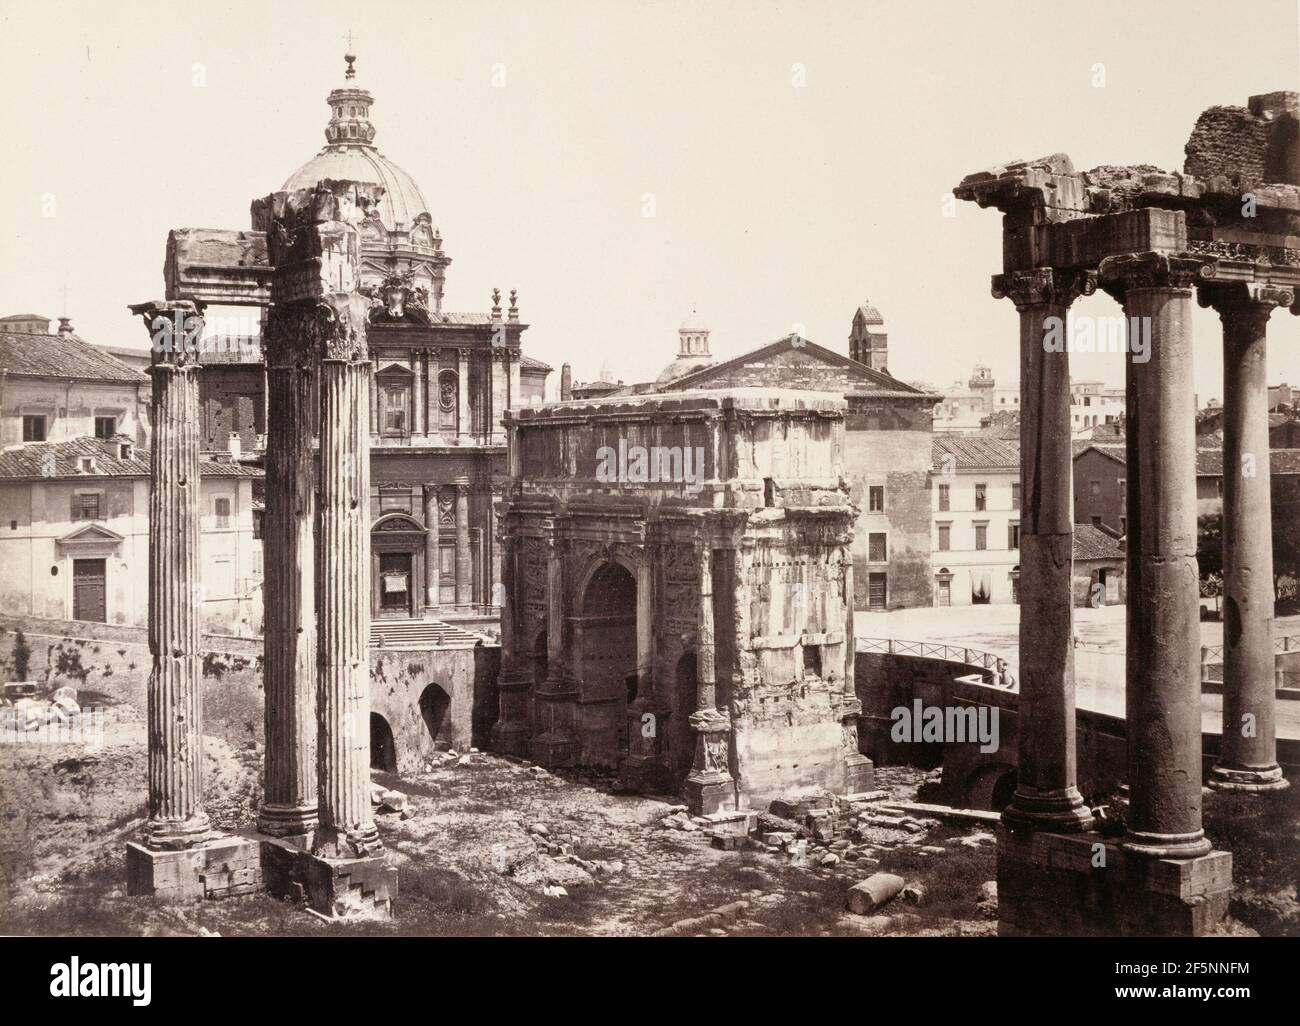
(85, 506)
(1094, 488)
(1013, 536)
(876, 547)
(395, 500)
(876, 499)
(981, 497)
(395, 411)
(1015, 588)
(259, 520)
(943, 498)
(105, 427)
(1015, 495)
(221, 509)
(1096, 520)
(981, 536)
(945, 537)
(33, 428)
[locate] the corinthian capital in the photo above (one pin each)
(342, 320)
(1121, 274)
(175, 329)
(291, 334)
(1043, 286)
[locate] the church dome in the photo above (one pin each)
(350, 154)
(692, 352)
(402, 201)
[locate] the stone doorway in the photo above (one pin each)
(435, 704)
(383, 750)
(607, 627)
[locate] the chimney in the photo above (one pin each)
(566, 383)
(65, 325)
(234, 445)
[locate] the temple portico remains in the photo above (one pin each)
(678, 583)
(1227, 231)
(316, 836)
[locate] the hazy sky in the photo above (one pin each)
(798, 154)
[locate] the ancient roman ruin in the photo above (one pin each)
(1225, 230)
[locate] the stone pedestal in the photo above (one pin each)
(1084, 885)
(362, 888)
(645, 769)
(222, 867)
(1047, 795)
(1248, 751)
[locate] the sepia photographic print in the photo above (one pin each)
(817, 472)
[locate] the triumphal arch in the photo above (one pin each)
(678, 582)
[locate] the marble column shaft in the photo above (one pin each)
(289, 804)
(1047, 796)
(464, 559)
(1163, 682)
(432, 556)
(175, 700)
(1248, 749)
(347, 828)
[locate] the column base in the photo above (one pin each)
(511, 738)
(1061, 812)
(645, 774)
(859, 774)
(220, 867)
(1084, 885)
(361, 888)
(554, 750)
(342, 845)
(707, 793)
(294, 823)
(1225, 778)
(177, 834)
(1166, 846)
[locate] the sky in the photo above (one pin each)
(620, 163)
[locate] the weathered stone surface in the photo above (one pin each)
(876, 890)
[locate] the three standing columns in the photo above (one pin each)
(1248, 750)
(1163, 680)
(1047, 795)
(347, 828)
(175, 700)
(289, 786)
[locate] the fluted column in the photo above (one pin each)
(1047, 795)
(464, 560)
(1248, 749)
(1163, 682)
(709, 787)
(175, 700)
(431, 553)
(289, 801)
(347, 829)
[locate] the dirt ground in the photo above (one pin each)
(491, 846)
(471, 857)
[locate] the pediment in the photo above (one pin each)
(91, 534)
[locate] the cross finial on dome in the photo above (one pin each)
(351, 58)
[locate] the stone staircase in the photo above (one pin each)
(417, 634)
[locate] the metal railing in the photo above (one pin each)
(932, 650)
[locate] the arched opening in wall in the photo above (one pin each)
(681, 743)
(981, 589)
(991, 788)
(608, 630)
(383, 752)
(435, 704)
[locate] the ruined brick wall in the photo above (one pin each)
(1255, 144)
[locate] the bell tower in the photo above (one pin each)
(868, 341)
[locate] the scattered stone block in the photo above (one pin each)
(873, 892)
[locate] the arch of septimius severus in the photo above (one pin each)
(1227, 232)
